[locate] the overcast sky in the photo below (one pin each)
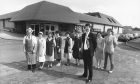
(127, 12)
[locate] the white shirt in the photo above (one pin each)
(85, 44)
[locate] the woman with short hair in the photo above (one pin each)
(41, 50)
(68, 48)
(50, 44)
(99, 53)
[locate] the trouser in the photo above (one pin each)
(31, 67)
(31, 60)
(88, 62)
(111, 60)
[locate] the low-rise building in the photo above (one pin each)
(50, 17)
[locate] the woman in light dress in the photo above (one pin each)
(99, 50)
(41, 50)
(50, 44)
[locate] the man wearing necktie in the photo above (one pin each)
(89, 46)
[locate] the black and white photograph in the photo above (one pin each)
(69, 41)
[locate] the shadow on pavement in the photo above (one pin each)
(17, 65)
(60, 74)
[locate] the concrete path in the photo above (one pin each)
(134, 43)
(13, 68)
(11, 36)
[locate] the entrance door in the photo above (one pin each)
(49, 28)
(36, 29)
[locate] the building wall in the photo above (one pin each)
(120, 30)
(115, 30)
(20, 27)
(1, 24)
(44, 27)
(98, 27)
(107, 27)
(9, 24)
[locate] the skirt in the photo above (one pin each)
(50, 58)
(99, 54)
(42, 59)
(68, 55)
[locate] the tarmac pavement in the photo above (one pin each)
(13, 68)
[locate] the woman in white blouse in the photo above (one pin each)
(41, 50)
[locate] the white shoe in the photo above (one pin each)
(110, 71)
(59, 64)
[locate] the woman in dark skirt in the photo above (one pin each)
(58, 48)
(77, 48)
(68, 48)
(50, 44)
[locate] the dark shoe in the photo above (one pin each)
(33, 70)
(88, 80)
(29, 67)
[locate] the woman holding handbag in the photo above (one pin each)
(68, 48)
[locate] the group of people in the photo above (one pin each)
(41, 49)
(96, 45)
(83, 47)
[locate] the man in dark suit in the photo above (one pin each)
(89, 46)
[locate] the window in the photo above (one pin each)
(52, 28)
(109, 19)
(47, 27)
(113, 20)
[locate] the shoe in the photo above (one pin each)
(33, 70)
(88, 80)
(59, 64)
(29, 67)
(40, 68)
(67, 64)
(110, 71)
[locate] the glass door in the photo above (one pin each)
(35, 28)
(49, 28)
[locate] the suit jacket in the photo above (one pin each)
(92, 42)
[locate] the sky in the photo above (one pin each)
(127, 12)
